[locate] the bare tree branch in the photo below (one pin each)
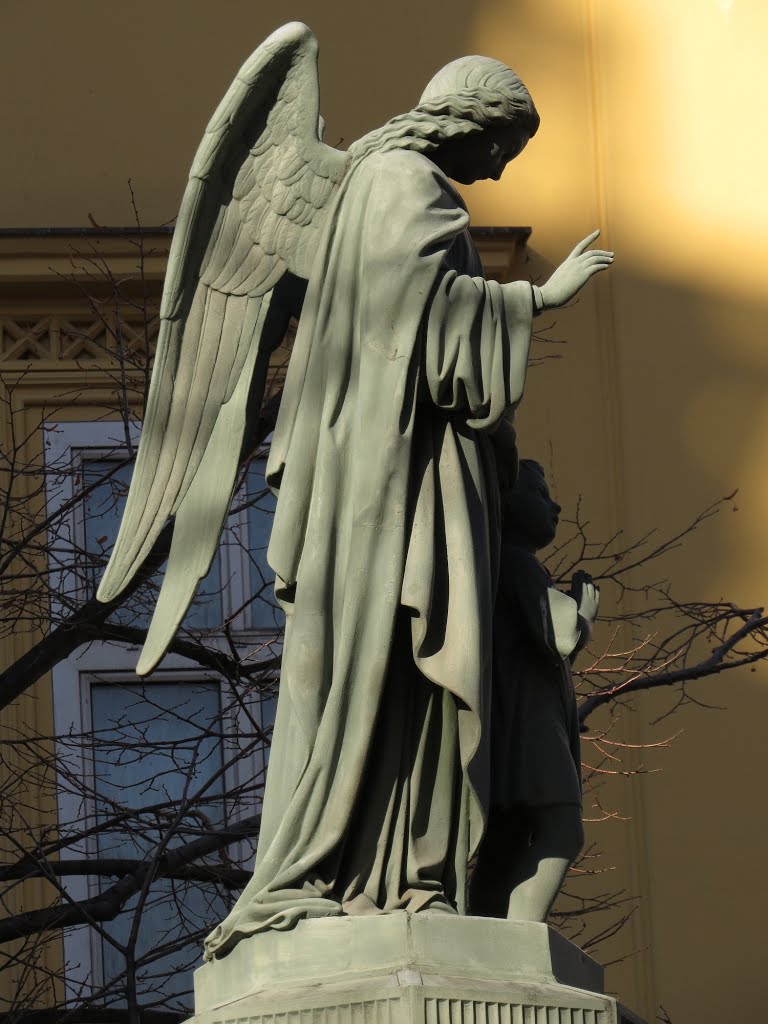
(108, 904)
(713, 665)
(65, 639)
(230, 877)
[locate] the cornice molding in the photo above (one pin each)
(69, 256)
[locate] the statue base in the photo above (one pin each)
(427, 968)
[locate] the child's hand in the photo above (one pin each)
(586, 595)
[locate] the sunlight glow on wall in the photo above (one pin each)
(678, 90)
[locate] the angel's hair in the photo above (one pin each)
(466, 96)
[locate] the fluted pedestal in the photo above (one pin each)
(428, 968)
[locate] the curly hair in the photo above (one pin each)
(483, 93)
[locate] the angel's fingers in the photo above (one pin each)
(585, 243)
(590, 258)
(598, 252)
(595, 268)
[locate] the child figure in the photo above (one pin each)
(535, 826)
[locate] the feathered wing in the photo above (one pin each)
(201, 515)
(252, 211)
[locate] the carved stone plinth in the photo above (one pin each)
(428, 968)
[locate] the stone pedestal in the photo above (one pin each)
(428, 968)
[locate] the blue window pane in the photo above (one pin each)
(265, 612)
(152, 742)
(156, 745)
(103, 511)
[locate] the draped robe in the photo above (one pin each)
(385, 548)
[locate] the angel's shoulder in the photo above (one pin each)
(407, 160)
(403, 165)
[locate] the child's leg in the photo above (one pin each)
(556, 839)
(505, 843)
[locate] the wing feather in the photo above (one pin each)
(201, 514)
(260, 181)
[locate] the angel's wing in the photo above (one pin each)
(252, 211)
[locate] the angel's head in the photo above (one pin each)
(474, 116)
(492, 115)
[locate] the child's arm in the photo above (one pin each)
(575, 615)
(567, 624)
(552, 619)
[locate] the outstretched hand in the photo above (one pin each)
(574, 272)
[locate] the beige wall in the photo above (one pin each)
(652, 128)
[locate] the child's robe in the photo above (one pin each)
(535, 755)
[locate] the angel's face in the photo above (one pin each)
(481, 155)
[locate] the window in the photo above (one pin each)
(151, 742)
(147, 767)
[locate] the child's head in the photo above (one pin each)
(529, 515)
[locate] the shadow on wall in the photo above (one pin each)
(692, 394)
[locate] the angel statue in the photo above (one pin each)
(385, 539)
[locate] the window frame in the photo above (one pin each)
(106, 662)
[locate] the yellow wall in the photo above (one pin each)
(652, 128)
